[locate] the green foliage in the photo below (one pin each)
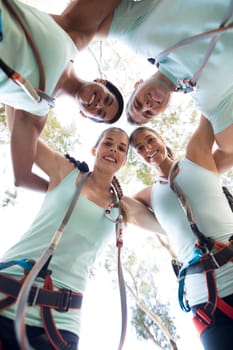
(151, 318)
(147, 329)
(4, 133)
(60, 138)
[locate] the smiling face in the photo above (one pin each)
(150, 98)
(111, 150)
(149, 146)
(96, 101)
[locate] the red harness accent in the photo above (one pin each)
(47, 298)
(205, 315)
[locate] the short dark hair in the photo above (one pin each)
(116, 92)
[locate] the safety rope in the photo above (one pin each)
(36, 94)
(187, 85)
(119, 244)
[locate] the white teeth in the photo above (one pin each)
(110, 159)
(91, 100)
(154, 154)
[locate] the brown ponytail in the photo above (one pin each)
(118, 198)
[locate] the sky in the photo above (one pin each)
(101, 309)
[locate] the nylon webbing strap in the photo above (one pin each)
(214, 34)
(22, 299)
(174, 170)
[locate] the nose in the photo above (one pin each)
(147, 105)
(147, 147)
(98, 103)
(113, 148)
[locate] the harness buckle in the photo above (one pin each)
(214, 261)
(204, 316)
(33, 295)
(185, 85)
(64, 298)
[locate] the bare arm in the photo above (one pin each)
(141, 213)
(53, 163)
(141, 216)
(25, 130)
(83, 19)
(199, 149)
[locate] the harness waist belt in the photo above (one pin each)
(211, 262)
(62, 300)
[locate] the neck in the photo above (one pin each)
(101, 181)
(68, 84)
(165, 167)
(167, 81)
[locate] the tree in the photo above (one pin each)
(59, 137)
(150, 317)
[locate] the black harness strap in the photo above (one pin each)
(51, 330)
(61, 300)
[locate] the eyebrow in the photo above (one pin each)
(110, 98)
(140, 143)
(121, 143)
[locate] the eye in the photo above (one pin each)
(100, 114)
(137, 104)
(108, 100)
(140, 149)
(122, 148)
(107, 143)
(150, 140)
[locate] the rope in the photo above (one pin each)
(36, 95)
(119, 243)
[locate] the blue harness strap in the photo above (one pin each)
(181, 279)
(25, 263)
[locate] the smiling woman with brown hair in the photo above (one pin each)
(89, 229)
(189, 203)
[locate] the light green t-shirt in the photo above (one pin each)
(84, 237)
(212, 214)
(151, 26)
(54, 45)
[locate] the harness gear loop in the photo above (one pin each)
(188, 85)
(208, 256)
(36, 94)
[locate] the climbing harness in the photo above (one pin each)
(23, 292)
(40, 267)
(188, 85)
(208, 256)
(37, 95)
